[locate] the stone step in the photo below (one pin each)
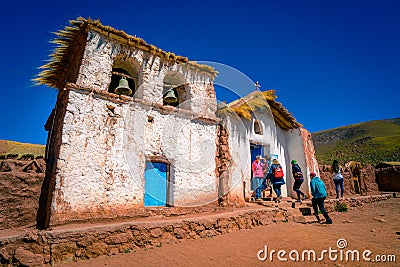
(297, 208)
(306, 211)
(253, 199)
(270, 204)
(305, 219)
(392, 194)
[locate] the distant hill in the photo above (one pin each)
(370, 142)
(19, 149)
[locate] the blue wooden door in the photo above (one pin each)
(155, 184)
(256, 150)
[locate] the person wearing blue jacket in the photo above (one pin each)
(275, 175)
(318, 191)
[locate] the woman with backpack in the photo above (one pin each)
(338, 178)
(298, 180)
(276, 175)
(318, 191)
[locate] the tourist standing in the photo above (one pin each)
(298, 180)
(318, 191)
(258, 168)
(338, 178)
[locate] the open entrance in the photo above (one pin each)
(255, 149)
(156, 178)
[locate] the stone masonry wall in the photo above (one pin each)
(223, 160)
(20, 182)
(388, 179)
(367, 180)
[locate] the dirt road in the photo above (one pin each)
(374, 227)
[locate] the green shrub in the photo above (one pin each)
(341, 207)
(2, 156)
(12, 156)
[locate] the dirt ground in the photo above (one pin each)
(374, 227)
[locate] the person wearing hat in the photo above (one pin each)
(275, 175)
(258, 168)
(318, 191)
(298, 180)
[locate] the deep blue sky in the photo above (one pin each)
(333, 63)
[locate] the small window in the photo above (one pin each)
(257, 127)
(117, 75)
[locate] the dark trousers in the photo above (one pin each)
(319, 203)
(296, 187)
(277, 189)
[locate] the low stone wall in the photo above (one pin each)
(35, 248)
(367, 178)
(74, 242)
(354, 201)
(388, 178)
(20, 184)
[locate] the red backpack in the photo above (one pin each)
(278, 172)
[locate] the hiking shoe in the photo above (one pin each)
(328, 222)
(299, 200)
(316, 215)
(304, 197)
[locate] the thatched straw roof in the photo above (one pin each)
(261, 102)
(54, 73)
(387, 164)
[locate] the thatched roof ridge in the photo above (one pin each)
(388, 164)
(260, 101)
(54, 71)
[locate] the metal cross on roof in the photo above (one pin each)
(257, 85)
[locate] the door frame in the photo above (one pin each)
(168, 200)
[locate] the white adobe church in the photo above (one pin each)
(136, 127)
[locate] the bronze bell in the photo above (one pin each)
(170, 97)
(123, 87)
